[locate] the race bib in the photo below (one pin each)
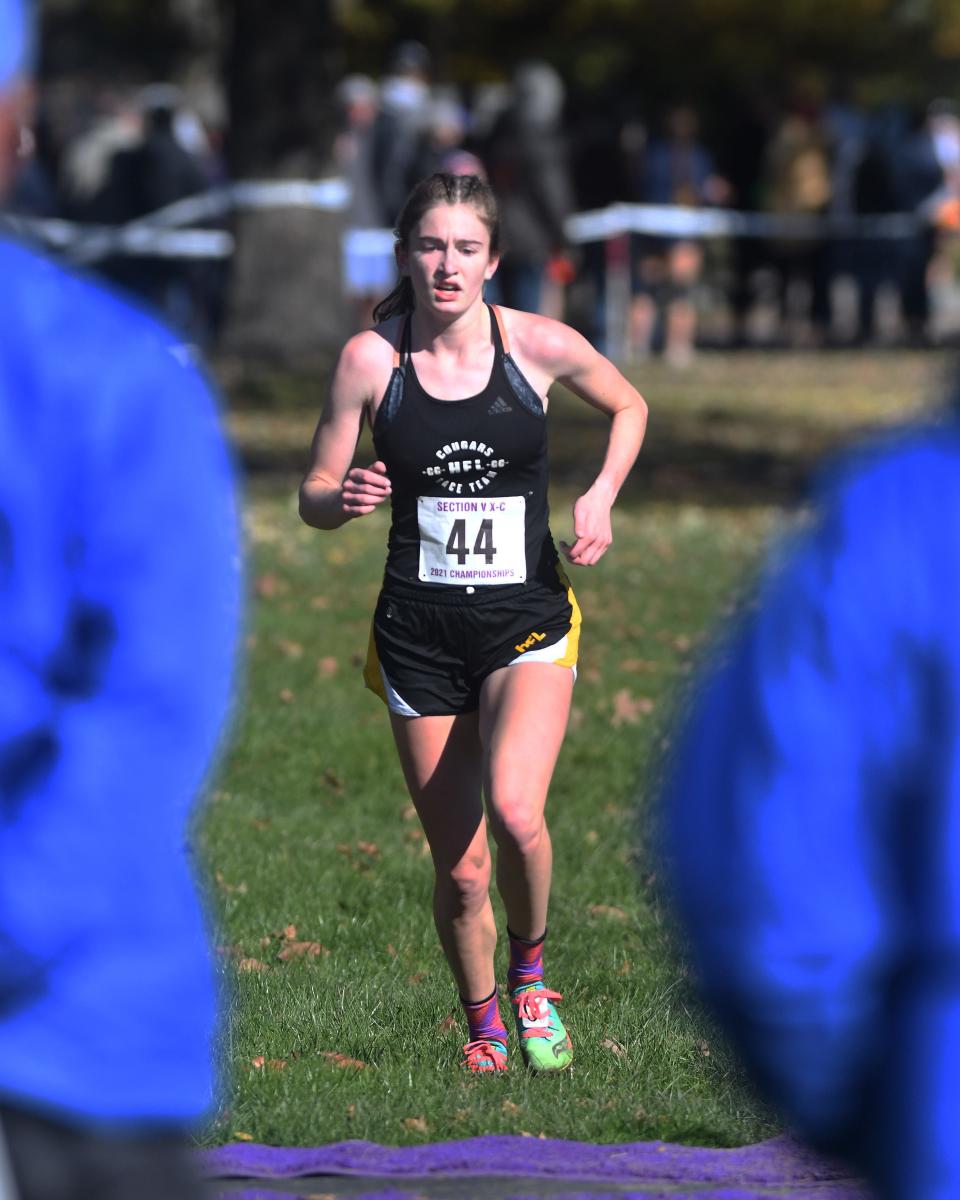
(467, 541)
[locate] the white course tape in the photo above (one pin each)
(162, 233)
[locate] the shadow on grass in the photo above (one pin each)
(736, 432)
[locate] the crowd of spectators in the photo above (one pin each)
(811, 152)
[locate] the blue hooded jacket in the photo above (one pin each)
(119, 603)
(813, 820)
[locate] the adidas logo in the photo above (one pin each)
(498, 406)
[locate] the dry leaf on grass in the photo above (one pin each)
(448, 1023)
(317, 603)
(614, 1047)
(286, 696)
(243, 1137)
(342, 1061)
(239, 889)
(289, 649)
(608, 910)
(417, 1124)
(628, 709)
(327, 667)
(269, 585)
(371, 849)
(508, 1107)
(251, 964)
(294, 950)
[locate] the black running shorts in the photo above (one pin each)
(429, 654)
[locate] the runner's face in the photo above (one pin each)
(448, 258)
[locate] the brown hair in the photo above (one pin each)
(428, 193)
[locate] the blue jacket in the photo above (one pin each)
(813, 820)
(119, 598)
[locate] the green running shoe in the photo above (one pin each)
(483, 1055)
(544, 1042)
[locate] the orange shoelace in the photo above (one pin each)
(482, 1055)
(534, 1006)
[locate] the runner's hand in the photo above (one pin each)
(363, 488)
(591, 526)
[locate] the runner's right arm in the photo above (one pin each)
(332, 492)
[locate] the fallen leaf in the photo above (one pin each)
(371, 849)
(417, 977)
(414, 835)
(286, 696)
(319, 602)
(682, 643)
(628, 709)
(608, 910)
(301, 950)
(576, 717)
(289, 932)
(448, 1023)
(250, 641)
(419, 1124)
(508, 1107)
(243, 1137)
(591, 675)
(258, 1062)
(336, 1059)
(289, 649)
(409, 813)
(277, 1064)
(239, 888)
(261, 823)
(591, 837)
(638, 666)
(345, 849)
(251, 964)
(269, 585)
(391, 950)
(614, 1047)
(703, 1046)
(327, 667)
(333, 780)
(625, 967)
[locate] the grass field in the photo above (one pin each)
(343, 1021)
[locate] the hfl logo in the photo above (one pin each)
(524, 646)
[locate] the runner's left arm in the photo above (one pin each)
(571, 360)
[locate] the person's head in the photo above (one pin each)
(457, 209)
(16, 92)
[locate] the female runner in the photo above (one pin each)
(474, 639)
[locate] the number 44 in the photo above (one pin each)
(457, 541)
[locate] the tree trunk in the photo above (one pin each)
(281, 63)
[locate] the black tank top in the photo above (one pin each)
(469, 501)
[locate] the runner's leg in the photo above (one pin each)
(441, 761)
(523, 717)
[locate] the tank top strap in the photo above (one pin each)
(401, 352)
(515, 378)
(499, 331)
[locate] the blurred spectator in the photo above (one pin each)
(876, 261)
(527, 163)
(752, 116)
(442, 146)
(153, 173)
(797, 182)
(813, 820)
(400, 127)
(674, 169)
(927, 168)
(119, 605)
(369, 270)
(116, 125)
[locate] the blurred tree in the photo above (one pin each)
(281, 64)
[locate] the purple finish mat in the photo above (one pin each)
(527, 1167)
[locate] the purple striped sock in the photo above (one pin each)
(526, 961)
(483, 1019)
